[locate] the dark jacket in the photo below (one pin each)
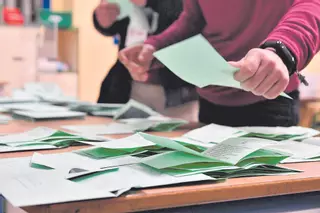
(116, 87)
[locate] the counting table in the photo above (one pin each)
(274, 194)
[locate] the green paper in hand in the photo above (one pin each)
(126, 7)
(195, 61)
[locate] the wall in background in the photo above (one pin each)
(314, 65)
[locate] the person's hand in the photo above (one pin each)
(263, 73)
(138, 60)
(107, 13)
(140, 3)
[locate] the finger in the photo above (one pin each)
(236, 64)
(113, 6)
(146, 54)
(112, 14)
(276, 90)
(271, 79)
(252, 83)
(123, 57)
(249, 66)
(103, 2)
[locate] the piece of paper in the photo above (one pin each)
(108, 110)
(68, 161)
(126, 7)
(195, 61)
(120, 147)
(139, 176)
(281, 133)
(29, 190)
(34, 107)
(214, 133)
(182, 160)
(10, 100)
(31, 135)
(134, 109)
(5, 119)
(169, 143)
(314, 141)
(8, 149)
(265, 170)
(234, 150)
(103, 129)
(154, 123)
(298, 150)
(36, 116)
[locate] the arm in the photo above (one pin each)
(190, 23)
(299, 30)
(113, 29)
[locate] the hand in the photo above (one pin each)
(107, 13)
(140, 3)
(138, 60)
(263, 73)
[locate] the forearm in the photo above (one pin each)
(299, 30)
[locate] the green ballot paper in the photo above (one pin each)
(121, 147)
(126, 7)
(239, 152)
(195, 61)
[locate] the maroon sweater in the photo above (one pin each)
(234, 27)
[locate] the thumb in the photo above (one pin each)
(146, 53)
(236, 64)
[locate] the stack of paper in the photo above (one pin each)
(132, 125)
(107, 110)
(42, 138)
(281, 133)
(24, 185)
(154, 123)
(34, 107)
(232, 154)
(9, 100)
(40, 116)
(214, 133)
(48, 92)
(40, 111)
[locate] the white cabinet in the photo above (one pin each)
(17, 55)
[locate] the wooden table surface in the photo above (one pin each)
(167, 197)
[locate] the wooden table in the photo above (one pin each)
(178, 196)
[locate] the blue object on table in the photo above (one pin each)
(116, 39)
(46, 4)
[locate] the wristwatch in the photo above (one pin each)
(286, 56)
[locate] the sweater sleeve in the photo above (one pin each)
(299, 30)
(113, 29)
(189, 23)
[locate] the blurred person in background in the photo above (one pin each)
(118, 86)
